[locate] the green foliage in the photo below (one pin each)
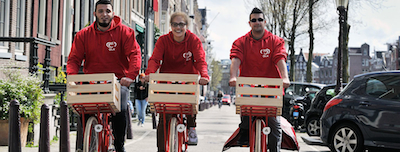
(157, 34)
(61, 78)
(216, 75)
(25, 89)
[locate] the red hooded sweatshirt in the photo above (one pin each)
(259, 57)
(186, 57)
(112, 51)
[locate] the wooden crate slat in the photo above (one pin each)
(259, 91)
(90, 77)
(260, 81)
(173, 88)
(117, 96)
(276, 102)
(174, 77)
(173, 98)
(90, 98)
(90, 88)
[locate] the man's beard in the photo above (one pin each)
(103, 24)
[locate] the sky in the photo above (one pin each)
(228, 20)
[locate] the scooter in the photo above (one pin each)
(296, 114)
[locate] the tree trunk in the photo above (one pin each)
(345, 70)
(309, 73)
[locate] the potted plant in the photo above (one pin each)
(27, 90)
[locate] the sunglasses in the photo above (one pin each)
(258, 19)
(178, 24)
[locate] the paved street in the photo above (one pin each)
(214, 127)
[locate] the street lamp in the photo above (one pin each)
(342, 9)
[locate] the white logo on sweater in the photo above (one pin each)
(111, 46)
(187, 56)
(265, 52)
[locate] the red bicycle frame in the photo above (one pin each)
(260, 112)
(174, 109)
(102, 118)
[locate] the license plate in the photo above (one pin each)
(295, 114)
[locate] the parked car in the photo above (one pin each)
(226, 100)
(313, 114)
(297, 90)
(365, 114)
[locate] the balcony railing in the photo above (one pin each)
(33, 56)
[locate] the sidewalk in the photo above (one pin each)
(55, 145)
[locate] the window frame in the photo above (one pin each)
(4, 45)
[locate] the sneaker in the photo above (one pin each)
(138, 123)
(142, 125)
(192, 136)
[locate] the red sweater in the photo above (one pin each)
(259, 57)
(112, 51)
(186, 57)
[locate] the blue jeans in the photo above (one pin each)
(141, 109)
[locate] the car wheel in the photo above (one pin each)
(312, 126)
(346, 137)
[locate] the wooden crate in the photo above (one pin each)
(259, 92)
(94, 93)
(174, 88)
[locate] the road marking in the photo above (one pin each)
(141, 137)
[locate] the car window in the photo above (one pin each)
(375, 87)
(384, 87)
(289, 89)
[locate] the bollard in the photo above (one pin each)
(64, 127)
(129, 134)
(14, 135)
(44, 138)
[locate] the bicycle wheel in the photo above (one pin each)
(91, 137)
(173, 136)
(257, 144)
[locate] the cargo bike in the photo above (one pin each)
(96, 96)
(258, 98)
(176, 94)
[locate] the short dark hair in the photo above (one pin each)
(256, 11)
(103, 2)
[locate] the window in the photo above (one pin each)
(54, 21)
(20, 30)
(42, 19)
(4, 16)
(384, 87)
(375, 88)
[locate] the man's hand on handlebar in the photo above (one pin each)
(232, 82)
(286, 82)
(147, 78)
(125, 81)
(203, 81)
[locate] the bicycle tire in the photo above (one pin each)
(173, 136)
(257, 144)
(91, 137)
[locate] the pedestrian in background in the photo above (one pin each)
(141, 89)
